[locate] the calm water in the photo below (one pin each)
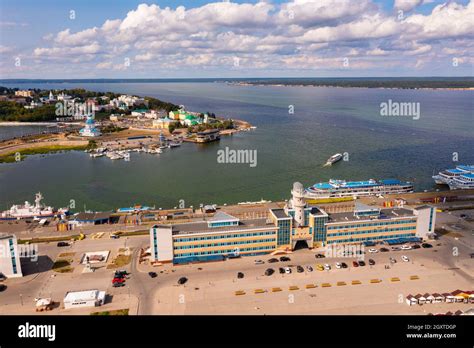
(291, 147)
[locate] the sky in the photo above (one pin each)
(50, 39)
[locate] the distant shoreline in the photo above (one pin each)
(244, 84)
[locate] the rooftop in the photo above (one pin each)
(86, 295)
(92, 216)
(280, 213)
(202, 227)
(221, 217)
(384, 214)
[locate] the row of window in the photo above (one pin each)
(223, 236)
(197, 246)
(372, 231)
(227, 251)
(349, 240)
(382, 223)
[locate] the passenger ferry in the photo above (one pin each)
(445, 177)
(342, 188)
(463, 181)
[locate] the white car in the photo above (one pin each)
(287, 270)
(327, 267)
(372, 250)
(338, 265)
(259, 262)
(406, 247)
(404, 258)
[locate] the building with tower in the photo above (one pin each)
(90, 130)
(292, 227)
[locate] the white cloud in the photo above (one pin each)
(293, 34)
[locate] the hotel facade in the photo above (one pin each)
(287, 228)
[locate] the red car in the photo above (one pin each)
(355, 264)
(118, 280)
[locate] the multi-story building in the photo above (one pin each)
(24, 93)
(9, 257)
(287, 229)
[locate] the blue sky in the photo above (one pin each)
(198, 38)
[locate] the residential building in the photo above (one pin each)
(24, 93)
(10, 265)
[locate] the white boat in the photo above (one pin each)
(341, 188)
(445, 177)
(95, 155)
(29, 210)
(333, 159)
(171, 145)
(159, 150)
(462, 182)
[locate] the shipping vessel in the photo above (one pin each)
(28, 210)
(445, 177)
(342, 188)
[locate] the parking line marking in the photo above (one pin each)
(259, 291)
(325, 285)
(310, 286)
(341, 283)
(294, 287)
(395, 279)
(375, 281)
(276, 289)
(239, 292)
(356, 282)
(414, 277)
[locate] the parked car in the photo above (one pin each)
(319, 267)
(287, 270)
(63, 244)
(309, 268)
(118, 284)
(383, 250)
(273, 260)
(327, 267)
(152, 274)
(259, 262)
(405, 258)
(3, 287)
(416, 246)
(118, 280)
(240, 275)
(269, 271)
(426, 245)
(281, 270)
(182, 280)
(406, 247)
(299, 269)
(338, 265)
(361, 263)
(320, 256)
(392, 260)
(371, 262)
(395, 248)
(355, 264)
(284, 259)
(343, 265)
(372, 250)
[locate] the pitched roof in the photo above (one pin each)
(221, 216)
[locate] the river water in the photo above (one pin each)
(290, 146)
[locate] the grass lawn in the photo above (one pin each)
(120, 261)
(113, 312)
(63, 266)
(10, 157)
